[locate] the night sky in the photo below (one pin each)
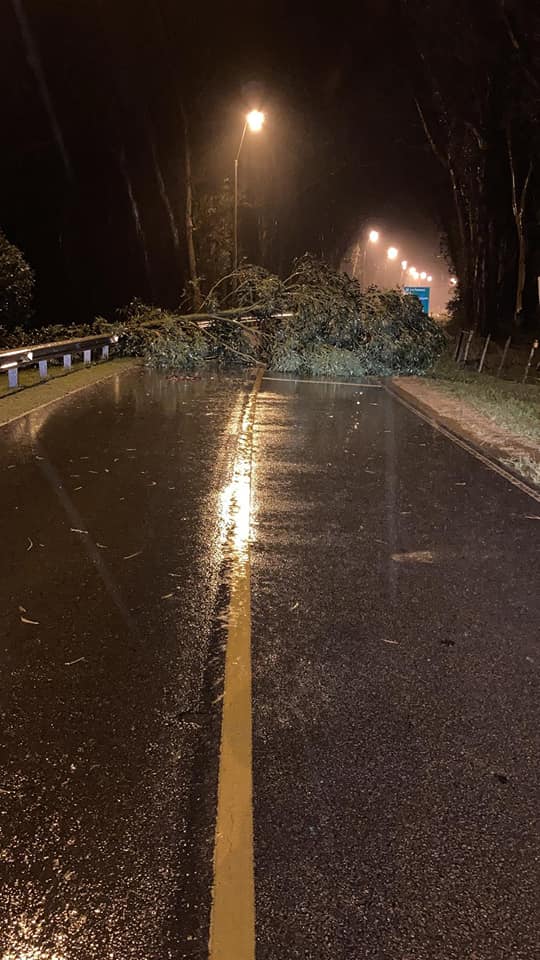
(91, 169)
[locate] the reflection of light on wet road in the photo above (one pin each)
(232, 925)
(24, 945)
(31, 953)
(235, 498)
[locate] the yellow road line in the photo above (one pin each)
(232, 924)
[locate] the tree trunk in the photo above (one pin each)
(518, 209)
(192, 256)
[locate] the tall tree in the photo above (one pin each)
(474, 91)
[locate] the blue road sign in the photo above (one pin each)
(423, 295)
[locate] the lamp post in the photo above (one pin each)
(372, 237)
(254, 122)
(404, 265)
(391, 257)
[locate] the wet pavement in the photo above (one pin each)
(112, 550)
(395, 616)
(396, 666)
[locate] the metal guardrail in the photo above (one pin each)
(11, 361)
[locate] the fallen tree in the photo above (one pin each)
(316, 321)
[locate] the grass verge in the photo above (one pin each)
(511, 406)
(32, 394)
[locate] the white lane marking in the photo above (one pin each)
(331, 383)
(495, 467)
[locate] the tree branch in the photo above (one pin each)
(430, 139)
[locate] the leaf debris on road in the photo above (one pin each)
(420, 556)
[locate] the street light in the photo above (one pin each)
(372, 237)
(404, 265)
(254, 122)
(429, 278)
(392, 253)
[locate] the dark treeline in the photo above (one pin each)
(475, 75)
(406, 111)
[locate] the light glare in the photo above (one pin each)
(255, 120)
(373, 236)
(392, 253)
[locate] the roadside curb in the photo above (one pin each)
(445, 425)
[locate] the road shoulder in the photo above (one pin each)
(31, 398)
(519, 454)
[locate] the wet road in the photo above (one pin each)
(394, 636)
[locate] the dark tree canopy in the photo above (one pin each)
(16, 286)
(476, 82)
(399, 110)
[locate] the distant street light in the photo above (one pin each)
(254, 122)
(404, 265)
(423, 275)
(372, 237)
(430, 278)
(392, 253)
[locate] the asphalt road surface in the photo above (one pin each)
(393, 629)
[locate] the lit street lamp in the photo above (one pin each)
(372, 237)
(254, 122)
(392, 253)
(404, 265)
